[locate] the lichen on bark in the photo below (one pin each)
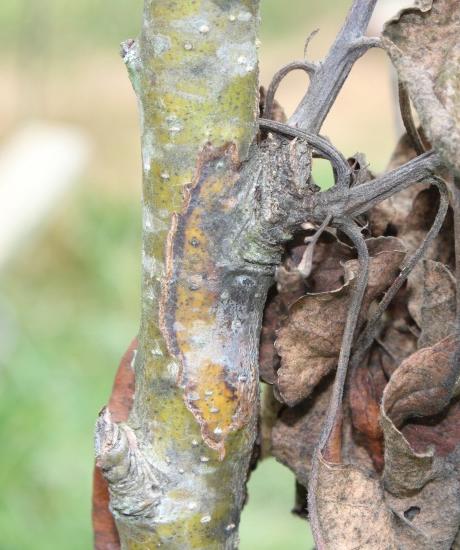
(194, 71)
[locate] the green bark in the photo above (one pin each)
(177, 471)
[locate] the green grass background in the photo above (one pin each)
(69, 306)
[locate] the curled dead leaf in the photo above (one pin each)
(351, 509)
(290, 285)
(296, 432)
(309, 341)
(424, 46)
(415, 505)
(423, 386)
(327, 272)
(366, 386)
(424, 383)
(438, 307)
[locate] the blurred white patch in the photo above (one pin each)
(385, 10)
(37, 166)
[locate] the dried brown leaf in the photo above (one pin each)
(296, 432)
(416, 503)
(351, 509)
(328, 259)
(423, 384)
(355, 511)
(424, 390)
(290, 285)
(416, 226)
(438, 308)
(422, 487)
(440, 432)
(310, 340)
(366, 386)
(424, 46)
(309, 343)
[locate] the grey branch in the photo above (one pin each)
(319, 143)
(330, 75)
(367, 336)
(333, 413)
(305, 66)
(418, 169)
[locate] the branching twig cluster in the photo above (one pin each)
(343, 203)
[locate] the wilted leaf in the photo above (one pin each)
(425, 49)
(415, 228)
(423, 386)
(441, 432)
(354, 512)
(427, 519)
(422, 487)
(309, 342)
(366, 386)
(399, 335)
(351, 509)
(296, 432)
(438, 308)
(330, 255)
(424, 383)
(290, 285)
(418, 223)
(416, 503)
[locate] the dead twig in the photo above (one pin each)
(354, 233)
(408, 119)
(367, 336)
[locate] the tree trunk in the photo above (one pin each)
(177, 469)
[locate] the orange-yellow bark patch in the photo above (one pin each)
(190, 298)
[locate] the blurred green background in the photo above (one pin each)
(69, 297)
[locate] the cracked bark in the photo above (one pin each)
(218, 206)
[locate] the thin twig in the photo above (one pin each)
(362, 198)
(456, 210)
(354, 233)
(408, 119)
(332, 72)
(367, 336)
(307, 42)
(339, 162)
(306, 263)
(305, 66)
